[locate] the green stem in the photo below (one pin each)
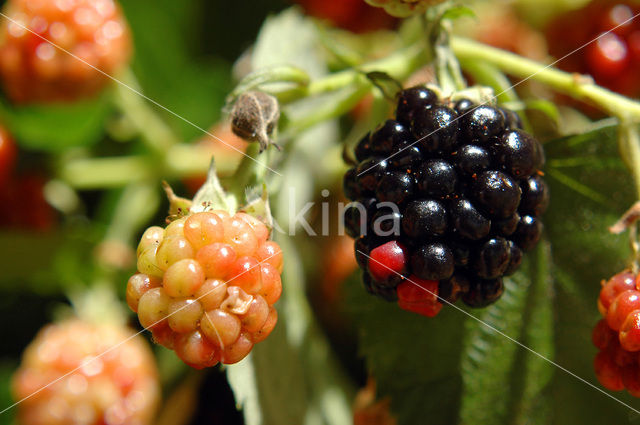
(155, 133)
(398, 65)
(489, 75)
(629, 140)
(181, 161)
(250, 172)
(136, 206)
(327, 111)
(104, 173)
(574, 85)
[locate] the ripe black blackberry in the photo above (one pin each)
(451, 196)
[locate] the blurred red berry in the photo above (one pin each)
(33, 66)
(352, 15)
(24, 205)
(600, 40)
(607, 371)
(602, 335)
(8, 154)
(76, 372)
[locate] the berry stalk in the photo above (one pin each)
(576, 86)
(153, 130)
(181, 160)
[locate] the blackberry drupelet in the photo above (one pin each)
(452, 195)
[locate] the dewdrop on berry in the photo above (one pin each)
(254, 117)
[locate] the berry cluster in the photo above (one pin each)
(34, 70)
(612, 56)
(617, 336)
(448, 196)
(112, 378)
(206, 286)
(404, 8)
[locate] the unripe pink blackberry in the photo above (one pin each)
(116, 380)
(206, 286)
(32, 69)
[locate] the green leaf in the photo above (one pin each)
(292, 376)
(532, 374)
(415, 360)
(289, 38)
(168, 69)
(545, 106)
(55, 128)
(489, 357)
(590, 189)
(457, 12)
(384, 82)
(6, 371)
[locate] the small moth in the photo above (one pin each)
(254, 117)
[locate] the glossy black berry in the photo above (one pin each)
(528, 232)
(386, 222)
(405, 158)
(467, 221)
(396, 187)
(512, 120)
(414, 99)
(461, 253)
(364, 245)
(517, 152)
(363, 148)
(463, 106)
(369, 172)
(433, 261)
(496, 193)
(515, 260)
(472, 159)
(453, 288)
(535, 196)
(385, 292)
(362, 248)
(436, 128)
(483, 122)
(483, 292)
(388, 135)
(505, 226)
(350, 185)
(356, 216)
(436, 178)
(492, 258)
(424, 218)
(463, 202)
